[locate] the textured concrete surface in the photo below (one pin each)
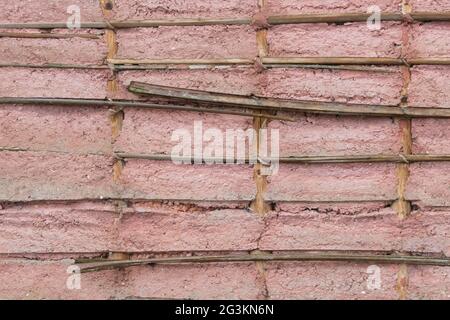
(430, 86)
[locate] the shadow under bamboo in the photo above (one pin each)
(308, 257)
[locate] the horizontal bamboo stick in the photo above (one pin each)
(136, 104)
(306, 256)
(273, 20)
(304, 159)
(228, 61)
(52, 66)
(213, 98)
(354, 61)
(42, 35)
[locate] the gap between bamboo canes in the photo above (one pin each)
(308, 257)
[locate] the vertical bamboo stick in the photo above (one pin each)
(403, 206)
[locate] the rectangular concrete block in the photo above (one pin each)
(196, 281)
(430, 5)
(428, 283)
(334, 85)
(54, 176)
(155, 131)
(337, 135)
(159, 230)
(431, 136)
(429, 40)
(188, 42)
(61, 51)
(430, 87)
(312, 229)
(347, 40)
(167, 9)
(48, 11)
(53, 83)
(58, 227)
(333, 182)
(429, 183)
(317, 281)
(144, 179)
(55, 128)
(47, 280)
(327, 7)
(233, 80)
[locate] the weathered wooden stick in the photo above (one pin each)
(42, 35)
(307, 256)
(136, 104)
(229, 61)
(213, 98)
(305, 159)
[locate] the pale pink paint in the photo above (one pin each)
(430, 87)
(337, 135)
(431, 136)
(429, 40)
(336, 85)
(151, 131)
(323, 40)
(143, 179)
(167, 9)
(329, 6)
(54, 176)
(333, 182)
(55, 128)
(430, 5)
(55, 83)
(191, 42)
(47, 11)
(428, 282)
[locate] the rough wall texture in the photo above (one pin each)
(64, 196)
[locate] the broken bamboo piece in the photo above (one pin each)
(255, 102)
(128, 103)
(307, 256)
(304, 159)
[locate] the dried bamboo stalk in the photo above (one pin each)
(52, 66)
(128, 103)
(229, 61)
(304, 159)
(274, 20)
(307, 256)
(255, 102)
(41, 35)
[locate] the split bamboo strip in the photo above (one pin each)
(304, 159)
(273, 20)
(255, 102)
(42, 35)
(128, 103)
(52, 66)
(229, 61)
(307, 256)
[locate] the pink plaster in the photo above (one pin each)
(166, 9)
(54, 176)
(67, 129)
(430, 5)
(333, 135)
(55, 83)
(431, 136)
(430, 87)
(429, 40)
(323, 40)
(150, 131)
(143, 179)
(428, 283)
(191, 42)
(329, 6)
(336, 85)
(333, 182)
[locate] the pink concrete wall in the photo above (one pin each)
(64, 197)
